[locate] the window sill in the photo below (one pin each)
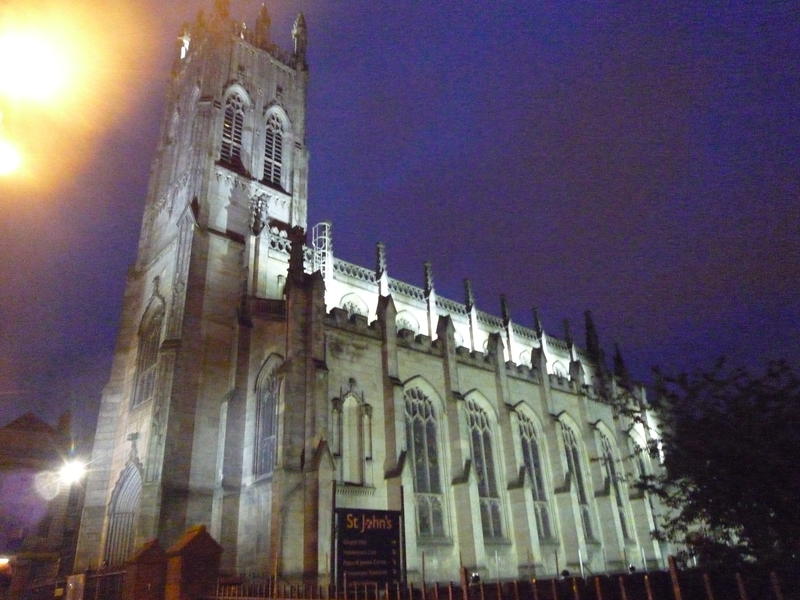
(431, 540)
(497, 541)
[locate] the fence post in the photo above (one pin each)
(740, 586)
(776, 586)
(598, 587)
(623, 593)
(516, 590)
(534, 588)
(576, 593)
(707, 586)
(647, 588)
(673, 575)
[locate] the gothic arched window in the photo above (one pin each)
(352, 454)
(354, 305)
(613, 482)
(122, 512)
(483, 459)
(535, 468)
(232, 126)
(147, 356)
(421, 441)
(273, 150)
(575, 471)
(266, 431)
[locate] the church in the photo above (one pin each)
(260, 385)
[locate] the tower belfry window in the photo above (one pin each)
(232, 125)
(273, 150)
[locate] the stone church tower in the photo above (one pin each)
(258, 383)
(170, 448)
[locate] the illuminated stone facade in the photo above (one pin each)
(259, 381)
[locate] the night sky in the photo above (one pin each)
(636, 159)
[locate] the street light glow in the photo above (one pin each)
(68, 71)
(10, 158)
(37, 65)
(72, 471)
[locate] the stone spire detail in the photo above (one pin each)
(381, 271)
(222, 8)
(504, 310)
(300, 37)
(537, 324)
(428, 270)
(263, 23)
(430, 299)
(568, 338)
(469, 295)
(593, 348)
(539, 355)
(620, 370)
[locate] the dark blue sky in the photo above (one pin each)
(639, 161)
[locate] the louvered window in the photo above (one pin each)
(273, 151)
(483, 459)
(533, 464)
(232, 125)
(421, 442)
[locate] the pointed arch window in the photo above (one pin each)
(266, 419)
(122, 513)
(483, 459)
(232, 127)
(533, 464)
(575, 471)
(613, 482)
(421, 442)
(147, 356)
(273, 150)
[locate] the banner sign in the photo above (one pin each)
(368, 546)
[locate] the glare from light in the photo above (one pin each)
(39, 68)
(10, 158)
(4, 560)
(71, 472)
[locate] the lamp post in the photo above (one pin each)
(37, 67)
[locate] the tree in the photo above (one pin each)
(731, 479)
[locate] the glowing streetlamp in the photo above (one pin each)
(71, 472)
(10, 158)
(40, 68)
(36, 68)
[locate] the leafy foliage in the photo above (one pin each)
(731, 447)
